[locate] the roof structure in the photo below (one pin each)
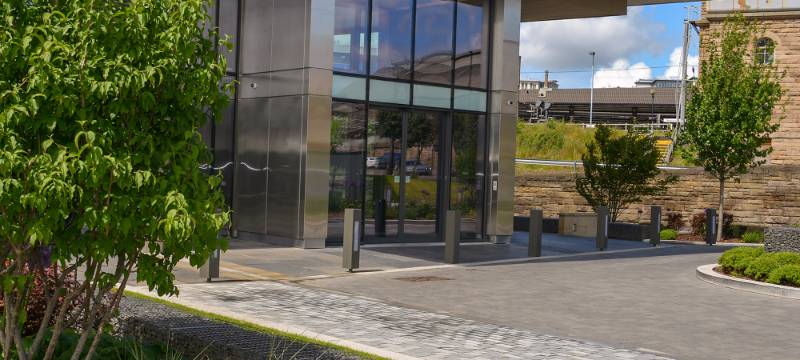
(627, 96)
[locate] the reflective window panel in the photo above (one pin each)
(471, 39)
(389, 92)
(422, 160)
(347, 164)
(433, 53)
(384, 161)
(433, 96)
(346, 87)
(466, 184)
(228, 23)
(470, 100)
(350, 36)
(390, 45)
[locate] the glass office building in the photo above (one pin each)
(402, 108)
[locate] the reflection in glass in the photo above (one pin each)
(349, 37)
(433, 53)
(466, 184)
(347, 164)
(389, 92)
(432, 96)
(348, 87)
(384, 146)
(390, 45)
(470, 64)
(422, 170)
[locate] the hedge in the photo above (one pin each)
(754, 263)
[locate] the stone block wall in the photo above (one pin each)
(768, 196)
(782, 239)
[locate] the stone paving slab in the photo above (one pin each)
(394, 331)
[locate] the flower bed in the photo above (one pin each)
(781, 268)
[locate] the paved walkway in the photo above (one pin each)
(384, 329)
(644, 299)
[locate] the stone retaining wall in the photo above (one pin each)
(782, 239)
(769, 195)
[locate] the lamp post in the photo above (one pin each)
(591, 93)
(652, 105)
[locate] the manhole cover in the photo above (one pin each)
(422, 278)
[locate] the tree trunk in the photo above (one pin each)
(721, 215)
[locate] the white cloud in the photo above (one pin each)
(622, 74)
(674, 69)
(565, 44)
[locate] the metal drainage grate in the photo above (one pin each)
(422, 278)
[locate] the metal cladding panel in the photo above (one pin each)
(254, 86)
(291, 29)
(320, 34)
(286, 146)
(505, 46)
(317, 167)
(256, 36)
(502, 142)
(223, 151)
(287, 82)
(252, 129)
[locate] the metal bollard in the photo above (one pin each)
(452, 236)
(655, 225)
(711, 227)
(210, 270)
(602, 228)
(535, 229)
(351, 243)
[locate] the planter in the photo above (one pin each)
(707, 273)
(778, 239)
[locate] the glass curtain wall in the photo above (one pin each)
(409, 85)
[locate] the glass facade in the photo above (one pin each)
(409, 134)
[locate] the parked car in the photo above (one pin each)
(383, 161)
(372, 162)
(417, 168)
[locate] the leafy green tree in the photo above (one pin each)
(729, 114)
(100, 106)
(620, 170)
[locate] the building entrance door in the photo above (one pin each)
(405, 178)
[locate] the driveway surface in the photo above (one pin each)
(646, 299)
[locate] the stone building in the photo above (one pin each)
(779, 44)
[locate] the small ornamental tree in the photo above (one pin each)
(100, 106)
(729, 114)
(620, 170)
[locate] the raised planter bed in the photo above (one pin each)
(707, 273)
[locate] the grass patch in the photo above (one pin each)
(552, 140)
(254, 327)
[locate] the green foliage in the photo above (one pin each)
(669, 234)
(760, 268)
(100, 153)
(753, 237)
(620, 170)
(729, 114)
(675, 220)
(737, 260)
(785, 275)
(553, 140)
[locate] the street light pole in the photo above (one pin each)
(591, 93)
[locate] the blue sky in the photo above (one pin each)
(645, 43)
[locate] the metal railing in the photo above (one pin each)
(575, 164)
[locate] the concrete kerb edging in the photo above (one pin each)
(296, 330)
(684, 242)
(707, 273)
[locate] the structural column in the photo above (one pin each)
(503, 112)
(283, 122)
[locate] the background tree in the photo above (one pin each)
(619, 170)
(729, 114)
(100, 106)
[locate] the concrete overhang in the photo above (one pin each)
(542, 10)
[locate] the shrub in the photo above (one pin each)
(753, 237)
(737, 260)
(785, 275)
(760, 268)
(699, 224)
(669, 234)
(675, 221)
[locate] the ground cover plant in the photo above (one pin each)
(100, 159)
(669, 234)
(781, 268)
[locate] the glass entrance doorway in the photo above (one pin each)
(403, 182)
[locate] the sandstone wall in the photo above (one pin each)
(770, 195)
